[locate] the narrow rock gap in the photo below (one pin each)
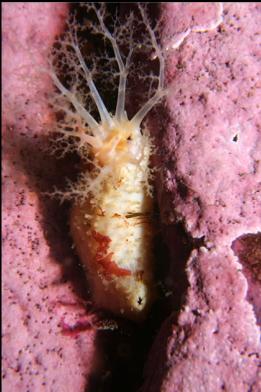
(248, 250)
(122, 351)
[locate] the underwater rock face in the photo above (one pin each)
(211, 182)
(40, 307)
(214, 134)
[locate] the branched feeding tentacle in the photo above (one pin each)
(104, 114)
(160, 92)
(120, 107)
(79, 108)
(116, 140)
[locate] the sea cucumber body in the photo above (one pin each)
(111, 218)
(113, 235)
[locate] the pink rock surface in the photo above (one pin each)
(39, 307)
(211, 182)
(214, 343)
(214, 134)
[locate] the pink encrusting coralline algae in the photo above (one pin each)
(211, 182)
(208, 181)
(37, 304)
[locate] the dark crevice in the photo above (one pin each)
(123, 351)
(248, 250)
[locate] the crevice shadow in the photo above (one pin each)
(248, 250)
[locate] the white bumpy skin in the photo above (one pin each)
(111, 217)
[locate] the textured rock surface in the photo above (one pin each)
(215, 132)
(39, 306)
(211, 182)
(214, 343)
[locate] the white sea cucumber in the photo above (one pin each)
(110, 218)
